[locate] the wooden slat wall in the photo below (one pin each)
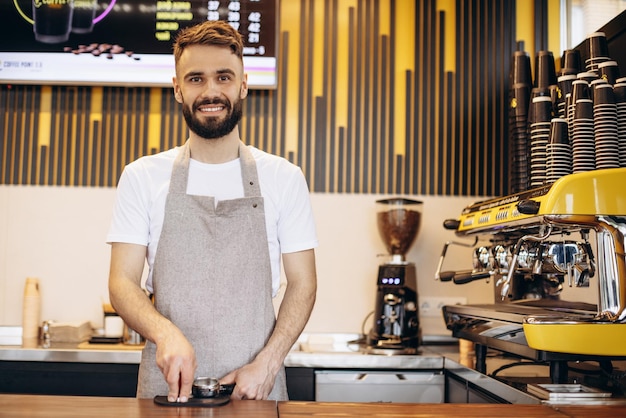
(390, 96)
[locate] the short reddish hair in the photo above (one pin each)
(211, 32)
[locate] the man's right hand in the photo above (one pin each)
(177, 360)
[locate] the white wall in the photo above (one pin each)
(57, 234)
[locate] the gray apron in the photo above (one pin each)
(212, 278)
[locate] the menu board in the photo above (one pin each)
(124, 42)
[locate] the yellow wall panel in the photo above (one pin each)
(290, 23)
(405, 60)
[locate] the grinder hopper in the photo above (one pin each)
(399, 221)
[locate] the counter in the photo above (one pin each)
(69, 370)
(320, 350)
(34, 406)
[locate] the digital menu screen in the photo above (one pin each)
(124, 42)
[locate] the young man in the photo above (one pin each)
(213, 218)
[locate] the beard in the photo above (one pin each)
(211, 127)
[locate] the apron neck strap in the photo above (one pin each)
(249, 175)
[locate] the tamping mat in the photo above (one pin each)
(197, 402)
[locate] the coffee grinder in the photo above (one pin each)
(396, 327)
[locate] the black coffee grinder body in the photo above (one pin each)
(396, 328)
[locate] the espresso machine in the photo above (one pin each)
(533, 246)
(396, 327)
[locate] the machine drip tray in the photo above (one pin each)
(390, 351)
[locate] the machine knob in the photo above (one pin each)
(528, 207)
(452, 224)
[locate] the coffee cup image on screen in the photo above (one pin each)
(84, 15)
(54, 20)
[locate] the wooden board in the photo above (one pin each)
(38, 406)
(399, 410)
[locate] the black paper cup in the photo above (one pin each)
(571, 62)
(603, 94)
(536, 92)
(597, 45)
(519, 101)
(558, 131)
(541, 109)
(545, 73)
(520, 72)
(609, 71)
(565, 85)
(595, 83)
(583, 109)
(620, 92)
(580, 90)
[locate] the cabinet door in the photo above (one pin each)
(300, 383)
(379, 386)
(75, 379)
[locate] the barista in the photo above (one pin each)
(222, 214)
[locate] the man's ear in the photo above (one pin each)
(177, 94)
(243, 92)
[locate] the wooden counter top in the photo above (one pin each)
(38, 406)
(378, 410)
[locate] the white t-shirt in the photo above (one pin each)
(143, 187)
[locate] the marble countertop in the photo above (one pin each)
(311, 350)
(71, 353)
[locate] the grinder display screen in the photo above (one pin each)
(391, 276)
(124, 42)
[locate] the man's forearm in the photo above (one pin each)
(126, 295)
(295, 309)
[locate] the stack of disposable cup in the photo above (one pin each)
(580, 90)
(559, 151)
(605, 127)
(565, 89)
(541, 109)
(519, 98)
(582, 139)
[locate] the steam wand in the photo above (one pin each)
(446, 276)
(505, 282)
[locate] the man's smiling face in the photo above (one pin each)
(210, 84)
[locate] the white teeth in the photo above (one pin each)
(211, 109)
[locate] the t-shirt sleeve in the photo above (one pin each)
(296, 227)
(130, 221)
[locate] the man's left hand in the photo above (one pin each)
(253, 381)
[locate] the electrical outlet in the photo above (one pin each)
(431, 306)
